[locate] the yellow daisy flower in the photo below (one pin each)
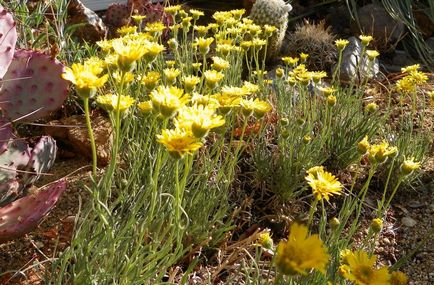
(145, 107)
(219, 63)
(168, 100)
(85, 77)
(150, 79)
(201, 30)
(128, 52)
(303, 57)
(372, 54)
(291, 61)
(364, 145)
(205, 100)
(155, 28)
(398, 278)
(410, 68)
(341, 44)
(171, 74)
(179, 142)
(190, 82)
(360, 269)
(301, 252)
(203, 44)
(380, 152)
(366, 39)
(126, 30)
(110, 102)
(323, 183)
(172, 10)
(226, 102)
(212, 78)
(196, 13)
(409, 165)
(199, 119)
(234, 91)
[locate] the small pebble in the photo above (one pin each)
(386, 241)
(408, 222)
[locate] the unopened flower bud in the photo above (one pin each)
(285, 134)
(265, 240)
(334, 223)
(376, 225)
(331, 100)
(284, 121)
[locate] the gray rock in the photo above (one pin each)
(93, 29)
(408, 222)
(353, 66)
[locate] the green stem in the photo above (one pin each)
(177, 203)
(312, 211)
(393, 193)
(155, 175)
(380, 207)
(338, 67)
(91, 136)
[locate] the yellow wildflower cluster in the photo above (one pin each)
(413, 78)
(377, 153)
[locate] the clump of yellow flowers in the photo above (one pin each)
(377, 153)
(413, 78)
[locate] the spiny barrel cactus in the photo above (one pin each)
(315, 40)
(275, 13)
(31, 87)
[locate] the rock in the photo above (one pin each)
(415, 204)
(375, 20)
(76, 136)
(94, 28)
(401, 58)
(425, 23)
(386, 241)
(408, 222)
(354, 68)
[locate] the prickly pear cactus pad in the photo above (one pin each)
(32, 87)
(41, 159)
(5, 133)
(8, 38)
(16, 157)
(22, 215)
(275, 13)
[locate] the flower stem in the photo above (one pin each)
(91, 136)
(312, 211)
(177, 203)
